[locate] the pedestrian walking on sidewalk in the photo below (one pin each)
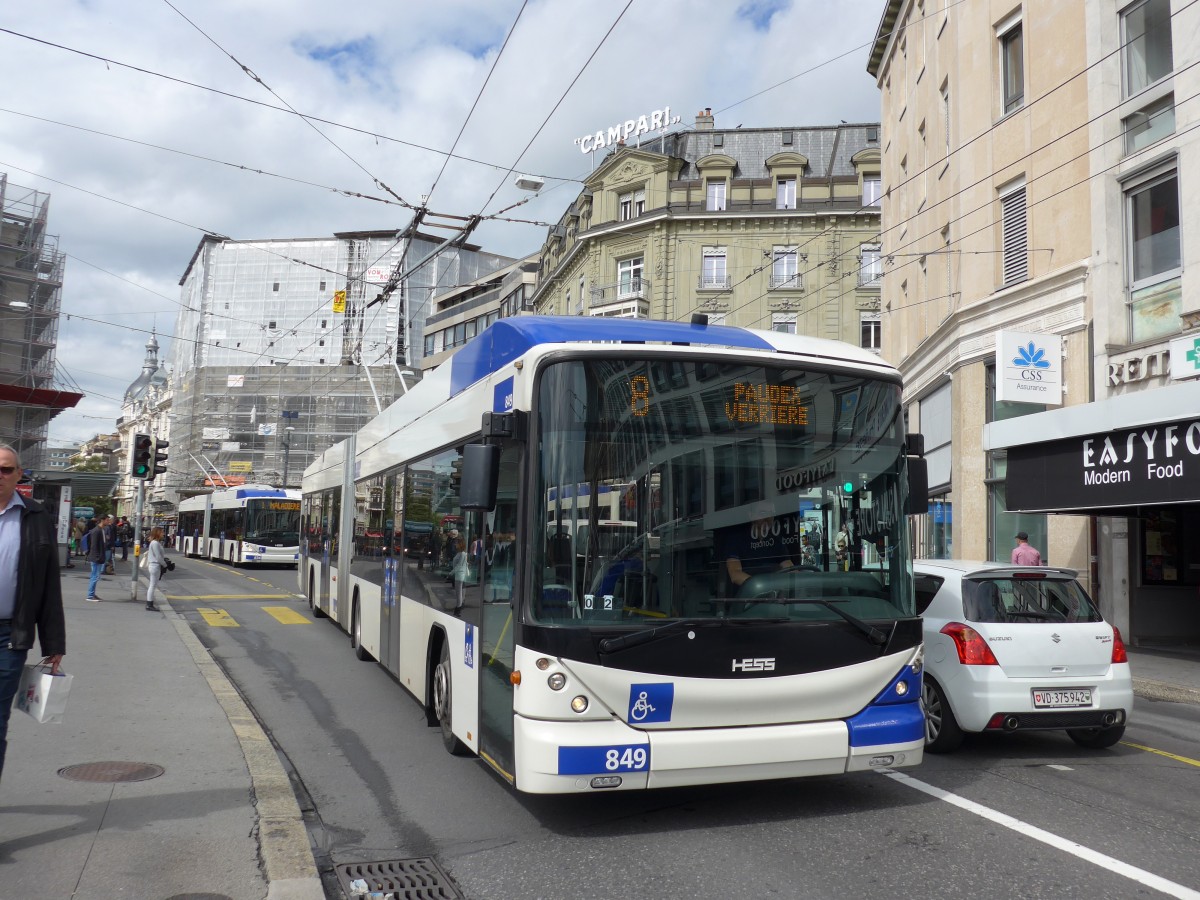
(110, 541)
(97, 551)
(155, 560)
(30, 591)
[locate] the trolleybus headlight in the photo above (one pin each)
(557, 681)
(901, 688)
(542, 663)
(579, 704)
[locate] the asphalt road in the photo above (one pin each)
(1025, 816)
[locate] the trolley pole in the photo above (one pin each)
(137, 539)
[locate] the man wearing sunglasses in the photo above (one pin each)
(30, 591)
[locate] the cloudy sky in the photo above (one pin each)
(144, 122)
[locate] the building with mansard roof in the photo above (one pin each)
(774, 228)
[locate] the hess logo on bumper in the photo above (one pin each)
(757, 664)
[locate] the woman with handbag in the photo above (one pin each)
(153, 563)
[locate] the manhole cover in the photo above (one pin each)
(408, 879)
(112, 771)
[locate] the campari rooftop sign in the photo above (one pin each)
(658, 120)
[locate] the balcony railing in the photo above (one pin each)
(713, 283)
(787, 282)
(627, 289)
(869, 278)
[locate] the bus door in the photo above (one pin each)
(497, 575)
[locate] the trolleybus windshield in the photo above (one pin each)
(745, 493)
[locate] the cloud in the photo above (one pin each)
(129, 215)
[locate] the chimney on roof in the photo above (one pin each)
(704, 119)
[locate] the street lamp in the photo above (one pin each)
(287, 446)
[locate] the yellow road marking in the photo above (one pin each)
(286, 615)
(217, 618)
(228, 596)
(1182, 759)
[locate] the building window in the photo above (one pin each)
(785, 193)
(1146, 45)
(785, 271)
(275, 286)
(429, 351)
(870, 331)
(1155, 262)
(714, 195)
(633, 204)
(784, 322)
(1152, 123)
(322, 286)
(872, 190)
(1014, 249)
(713, 275)
(870, 268)
(1012, 67)
(716, 318)
(567, 301)
(629, 278)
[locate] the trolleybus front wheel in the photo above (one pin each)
(442, 703)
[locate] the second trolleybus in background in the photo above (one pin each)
(748, 610)
(251, 525)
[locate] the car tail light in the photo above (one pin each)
(1119, 654)
(972, 648)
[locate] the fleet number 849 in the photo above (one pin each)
(631, 759)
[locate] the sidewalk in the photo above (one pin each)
(220, 819)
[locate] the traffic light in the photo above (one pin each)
(159, 457)
(141, 460)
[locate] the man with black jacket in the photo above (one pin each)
(30, 591)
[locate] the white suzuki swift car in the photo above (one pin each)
(1017, 648)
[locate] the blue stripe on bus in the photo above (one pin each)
(896, 723)
(603, 760)
(258, 492)
(508, 339)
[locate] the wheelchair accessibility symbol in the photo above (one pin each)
(650, 703)
(641, 708)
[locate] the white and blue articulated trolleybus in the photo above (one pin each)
(250, 525)
(756, 618)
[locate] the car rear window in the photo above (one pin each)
(1027, 599)
(927, 586)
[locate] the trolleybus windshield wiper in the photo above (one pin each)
(613, 644)
(876, 636)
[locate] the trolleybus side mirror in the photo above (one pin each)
(480, 474)
(918, 475)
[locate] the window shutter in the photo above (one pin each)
(1016, 257)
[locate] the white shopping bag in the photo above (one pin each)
(42, 695)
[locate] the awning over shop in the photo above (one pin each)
(1111, 457)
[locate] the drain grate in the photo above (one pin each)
(112, 771)
(407, 879)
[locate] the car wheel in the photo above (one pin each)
(1096, 738)
(942, 734)
(356, 634)
(443, 706)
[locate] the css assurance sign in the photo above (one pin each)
(1029, 367)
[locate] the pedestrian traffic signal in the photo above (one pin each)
(141, 459)
(159, 457)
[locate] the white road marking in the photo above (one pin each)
(1060, 768)
(1141, 876)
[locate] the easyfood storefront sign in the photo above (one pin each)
(1151, 464)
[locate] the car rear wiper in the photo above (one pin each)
(874, 635)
